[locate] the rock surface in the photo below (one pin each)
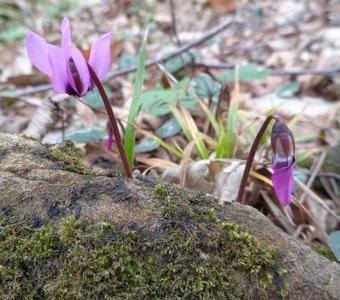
(45, 185)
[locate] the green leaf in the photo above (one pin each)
(127, 61)
(247, 72)
(206, 87)
(87, 134)
(148, 144)
(93, 98)
(13, 33)
(169, 128)
(231, 121)
(175, 64)
(155, 102)
(130, 133)
(9, 12)
(334, 243)
(288, 90)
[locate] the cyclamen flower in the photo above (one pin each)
(283, 162)
(66, 65)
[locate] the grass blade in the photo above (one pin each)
(160, 141)
(130, 133)
(232, 118)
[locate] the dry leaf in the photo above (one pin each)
(218, 177)
(45, 115)
(222, 6)
(316, 109)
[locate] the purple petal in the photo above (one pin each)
(57, 61)
(109, 142)
(100, 56)
(283, 182)
(65, 33)
(37, 50)
(81, 65)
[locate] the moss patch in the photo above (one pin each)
(69, 157)
(323, 250)
(29, 137)
(190, 254)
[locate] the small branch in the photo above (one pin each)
(173, 23)
(113, 121)
(251, 156)
(180, 50)
(327, 174)
(175, 33)
(26, 91)
(325, 72)
(311, 178)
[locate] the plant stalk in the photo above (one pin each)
(113, 121)
(251, 156)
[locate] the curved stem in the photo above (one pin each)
(113, 121)
(251, 156)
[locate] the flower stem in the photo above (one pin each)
(113, 121)
(251, 156)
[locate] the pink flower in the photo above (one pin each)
(283, 163)
(66, 65)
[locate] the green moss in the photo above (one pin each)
(323, 250)
(29, 137)
(69, 156)
(189, 255)
(160, 189)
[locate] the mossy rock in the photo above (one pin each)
(69, 233)
(190, 254)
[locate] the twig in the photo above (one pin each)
(173, 23)
(313, 175)
(323, 236)
(329, 174)
(216, 30)
(316, 198)
(175, 33)
(26, 91)
(326, 72)
(211, 33)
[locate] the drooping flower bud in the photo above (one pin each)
(283, 144)
(283, 163)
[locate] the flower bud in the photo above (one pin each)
(283, 144)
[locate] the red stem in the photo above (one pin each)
(113, 121)
(251, 156)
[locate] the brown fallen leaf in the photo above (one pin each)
(218, 177)
(185, 161)
(30, 79)
(222, 6)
